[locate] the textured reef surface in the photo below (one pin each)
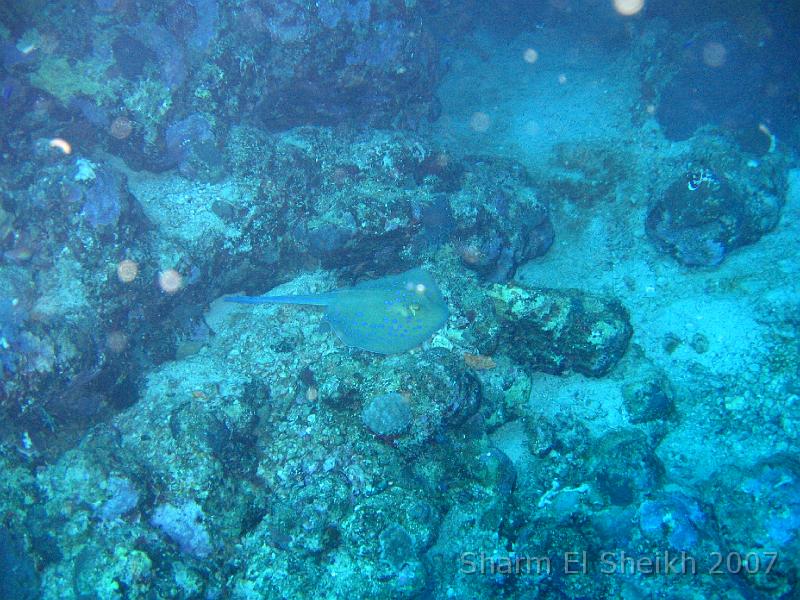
(549, 257)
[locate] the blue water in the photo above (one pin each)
(607, 196)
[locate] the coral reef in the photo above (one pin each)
(159, 442)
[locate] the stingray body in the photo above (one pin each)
(387, 315)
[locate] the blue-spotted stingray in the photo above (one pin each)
(387, 315)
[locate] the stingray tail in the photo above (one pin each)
(321, 300)
(247, 299)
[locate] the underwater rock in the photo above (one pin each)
(97, 571)
(436, 219)
(321, 64)
(191, 147)
(168, 52)
(45, 345)
(396, 545)
(371, 201)
(12, 320)
(439, 388)
(561, 330)
(197, 438)
(328, 239)
(702, 217)
(335, 199)
(199, 31)
(758, 510)
(387, 415)
(499, 221)
(131, 56)
(18, 577)
(366, 509)
(399, 552)
(477, 319)
(494, 470)
(675, 520)
(92, 113)
(648, 398)
(625, 482)
(104, 199)
(474, 526)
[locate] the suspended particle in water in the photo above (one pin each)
(530, 56)
(770, 136)
(714, 54)
(170, 281)
(61, 144)
(117, 341)
(480, 122)
(127, 270)
(628, 8)
(121, 127)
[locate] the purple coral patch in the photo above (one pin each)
(183, 525)
(103, 200)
